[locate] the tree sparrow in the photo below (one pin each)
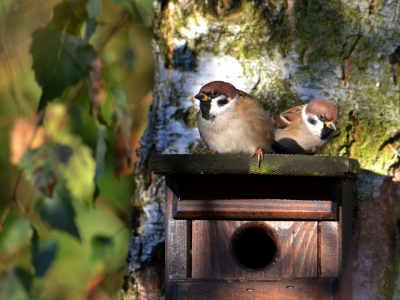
(230, 121)
(307, 128)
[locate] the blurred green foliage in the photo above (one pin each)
(74, 95)
(67, 60)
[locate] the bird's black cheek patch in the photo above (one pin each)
(326, 133)
(205, 107)
(311, 120)
(222, 102)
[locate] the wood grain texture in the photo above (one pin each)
(272, 164)
(345, 287)
(277, 289)
(330, 249)
(255, 209)
(212, 255)
(177, 241)
(200, 244)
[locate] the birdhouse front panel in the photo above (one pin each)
(248, 249)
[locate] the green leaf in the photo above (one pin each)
(48, 165)
(45, 166)
(90, 28)
(69, 16)
(145, 8)
(124, 118)
(80, 172)
(94, 11)
(11, 287)
(81, 165)
(58, 211)
(94, 8)
(16, 233)
(43, 254)
(142, 9)
(59, 60)
(101, 150)
(25, 278)
(107, 108)
(128, 4)
(102, 249)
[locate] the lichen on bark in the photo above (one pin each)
(284, 53)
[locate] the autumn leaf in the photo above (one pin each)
(124, 118)
(102, 251)
(25, 134)
(97, 94)
(80, 172)
(46, 165)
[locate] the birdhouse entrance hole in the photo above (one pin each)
(239, 230)
(254, 245)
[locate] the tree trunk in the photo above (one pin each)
(283, 53)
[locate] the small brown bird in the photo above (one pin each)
(230, 121)
(307, 128)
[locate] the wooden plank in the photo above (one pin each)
(255, 209)
(232, 187)
(272, 164)
(330, 249)
(278, 289)
(177, 241)
(213, 256)
(345, 287)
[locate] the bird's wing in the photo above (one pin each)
(244, 95)
(287, 117)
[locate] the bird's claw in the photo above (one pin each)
(212, 152)
(260, 156)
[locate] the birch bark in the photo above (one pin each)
(283, 53)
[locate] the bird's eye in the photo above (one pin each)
(321, 117)
(214, 94)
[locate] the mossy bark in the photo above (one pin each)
(283, 53)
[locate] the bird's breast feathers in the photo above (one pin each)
(232, 131)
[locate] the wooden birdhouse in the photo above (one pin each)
(235, 230)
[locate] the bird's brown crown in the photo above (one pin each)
(220, 87)
(323, 107)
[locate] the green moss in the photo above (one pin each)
(319, 28)
(231, 32)
(362, 143)
(277, 99)
(198, 148)
(323, 31)
(190, 117)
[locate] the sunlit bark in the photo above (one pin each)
(284, 53)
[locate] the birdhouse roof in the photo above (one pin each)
(272, 164)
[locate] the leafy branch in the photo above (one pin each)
(54, 158)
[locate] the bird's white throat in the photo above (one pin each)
(315, 128)
(218, 109)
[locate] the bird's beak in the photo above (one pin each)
(330, 125)
(202, 97)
